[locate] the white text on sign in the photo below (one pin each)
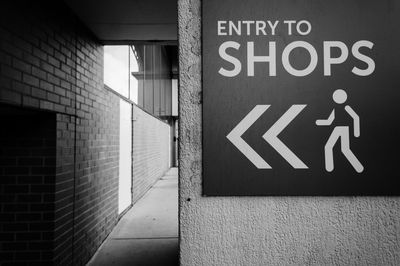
(303, 27)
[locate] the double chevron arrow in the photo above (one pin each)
(271, 136)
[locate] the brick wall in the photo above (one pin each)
(27, 173)
(48, 61)
(151, 155)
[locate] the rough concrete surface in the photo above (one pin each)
(267, 230)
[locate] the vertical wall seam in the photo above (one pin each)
(75, 151)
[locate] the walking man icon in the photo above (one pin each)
(342, 132)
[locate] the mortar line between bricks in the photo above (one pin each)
(144, 238)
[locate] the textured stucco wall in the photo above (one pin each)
(268, 230)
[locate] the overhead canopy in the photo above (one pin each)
(120, 21)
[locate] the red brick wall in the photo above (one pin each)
(49, 61)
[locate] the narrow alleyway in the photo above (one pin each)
(148, 233)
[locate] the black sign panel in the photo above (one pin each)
(301, 97)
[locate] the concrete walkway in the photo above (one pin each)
(148, 232)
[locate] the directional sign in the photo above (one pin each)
(300, 98)
(271, 137)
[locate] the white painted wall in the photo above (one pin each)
(125, 156)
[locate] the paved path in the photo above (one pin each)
(147, 235)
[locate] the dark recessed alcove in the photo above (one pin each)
(27, 184)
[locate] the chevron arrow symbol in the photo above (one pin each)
(235, 136)
(271, 136)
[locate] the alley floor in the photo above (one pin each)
(147, 235)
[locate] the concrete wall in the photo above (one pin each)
(151, 160)
(267, 230)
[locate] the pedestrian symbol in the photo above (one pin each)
(342, 132)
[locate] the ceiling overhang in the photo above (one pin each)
(124, 21)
